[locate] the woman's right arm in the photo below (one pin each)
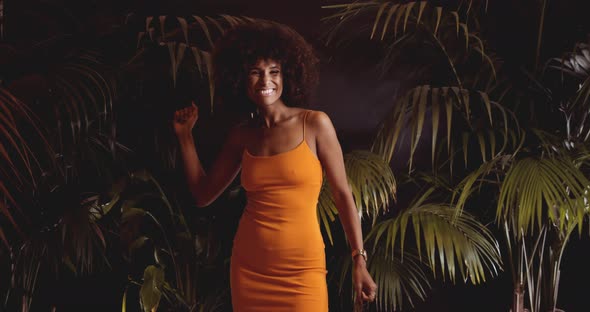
(204, 187)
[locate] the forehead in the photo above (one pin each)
(265, 63)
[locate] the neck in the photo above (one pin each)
(270, 115)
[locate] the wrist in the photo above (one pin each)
(359, 255)
(359, 262)
(185, 138)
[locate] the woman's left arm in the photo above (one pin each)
(330, 155)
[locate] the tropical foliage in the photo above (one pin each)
(520, 133)
(90, 184)
(76, 200)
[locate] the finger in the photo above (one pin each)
(178, 116)
(191, 111)
(365, 296)
(194, 105)
(359, 295)
(369, 295)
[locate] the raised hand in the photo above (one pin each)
(185, 119)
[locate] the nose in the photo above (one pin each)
(265, 77)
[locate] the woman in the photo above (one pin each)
(278, 260)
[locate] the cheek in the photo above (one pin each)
(279, 83)
(250, 83)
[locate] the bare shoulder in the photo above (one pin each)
(319, 121)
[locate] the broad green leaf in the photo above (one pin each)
(151, 290)
(132, 214)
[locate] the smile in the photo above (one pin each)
(266, 92)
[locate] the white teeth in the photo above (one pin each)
(266, 91)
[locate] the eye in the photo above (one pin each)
(275, 72)
(253, 72)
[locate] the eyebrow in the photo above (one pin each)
(271, 67)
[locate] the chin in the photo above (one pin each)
(266, 102)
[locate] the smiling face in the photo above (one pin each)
(265, 82)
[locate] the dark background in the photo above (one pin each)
(356, 99)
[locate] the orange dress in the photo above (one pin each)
(278, 262)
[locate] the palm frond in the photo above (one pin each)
(178, 39)
(467, 186)
(535, 190)
(20, 152)
(86, 99)
(371, 180)
(575, 63)
(408, 14)
(463, 245)
(326, 209)
(372, 184)
(397, 281)
(409, 111)
(369, 18)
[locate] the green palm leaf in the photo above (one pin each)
(409, 111)
(372, 184)
(372, 17)
(462, 244)
(467, 185)
(397, 281)
(536, 189)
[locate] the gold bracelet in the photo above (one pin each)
(361, 252)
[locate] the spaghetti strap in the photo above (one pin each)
(304, 118)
